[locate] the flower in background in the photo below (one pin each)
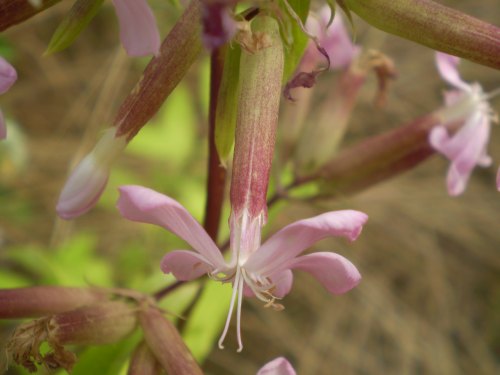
(335, 40)
(8, 76)
(467, 107)
(264, 271)
(218, 25)
(278, 366)
(88, 180)
(138, 30)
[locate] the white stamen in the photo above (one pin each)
(238, 317)
(237, 281)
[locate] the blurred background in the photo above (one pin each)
(429, 302)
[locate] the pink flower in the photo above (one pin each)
(278, 366)
(138, 30)
(8, 76)
(218, 24)
(89, 178)
(468, 107)
(264, 271)
(335, 40)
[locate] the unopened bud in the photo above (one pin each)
(258, 106)
(143, 361)
(101, 323)
(166, 343)
(44, 300)
(433, 25)
(88, 180)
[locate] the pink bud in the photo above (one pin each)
(8, 75)
(88, 180)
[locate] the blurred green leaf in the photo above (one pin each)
(78, 17)
(227, 104)
(207, 319)
(294, 52)
(170, 135)
(106, 359)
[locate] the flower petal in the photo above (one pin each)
(337, 274)
(141, 204)
(3, 127)
(447, 66)
(185, 265)
(337, 41)
(290, 241)
(283, 282)
(218, 25)
(8, 75)
(138, 30)
(278, 366)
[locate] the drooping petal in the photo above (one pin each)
(8, 75)
(297, 237)
(278, 366)
(138, 30)
(448, 69)
(141, 204)
(3, 127)
(337, 274)
(88, 180)
(185, 265)
(283, 282)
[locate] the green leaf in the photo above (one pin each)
(295, 50)
(227, 104)
(78, 17)
(106, 359)
(205, 323)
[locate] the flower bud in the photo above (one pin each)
(435, 26)
(101, 323)
(88, 180)
(258, 106)
(166, 343)
(43, 300)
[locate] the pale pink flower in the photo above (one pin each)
(278, 366)
(467, 106)
(138, 30)
(8, 76)
(334, 39)
(88, 180)
(264, 271)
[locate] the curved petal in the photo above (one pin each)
(8, 75)
(337, 41)
(283, 282)
(3, 126)
(141, 204)
(297, 237)
(337, 274)
(448, 69)
(185, 265)
(278, 366)
(138, 31)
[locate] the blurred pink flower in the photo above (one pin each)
(88, 180)
(334, 39)
(468, 107)
(278, 366)
(264, 271)
(8, 76)
(138, 30)
(218, 24)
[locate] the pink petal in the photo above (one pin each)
(3, 127)
(290, 241)
(337, 41)
(185, 265)
(447, 66)
(218, 25)
(336, 273)
(278, 366)
(283, 282)
(138, 30)
(498, 179)
(8, 75)
(141, 204)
